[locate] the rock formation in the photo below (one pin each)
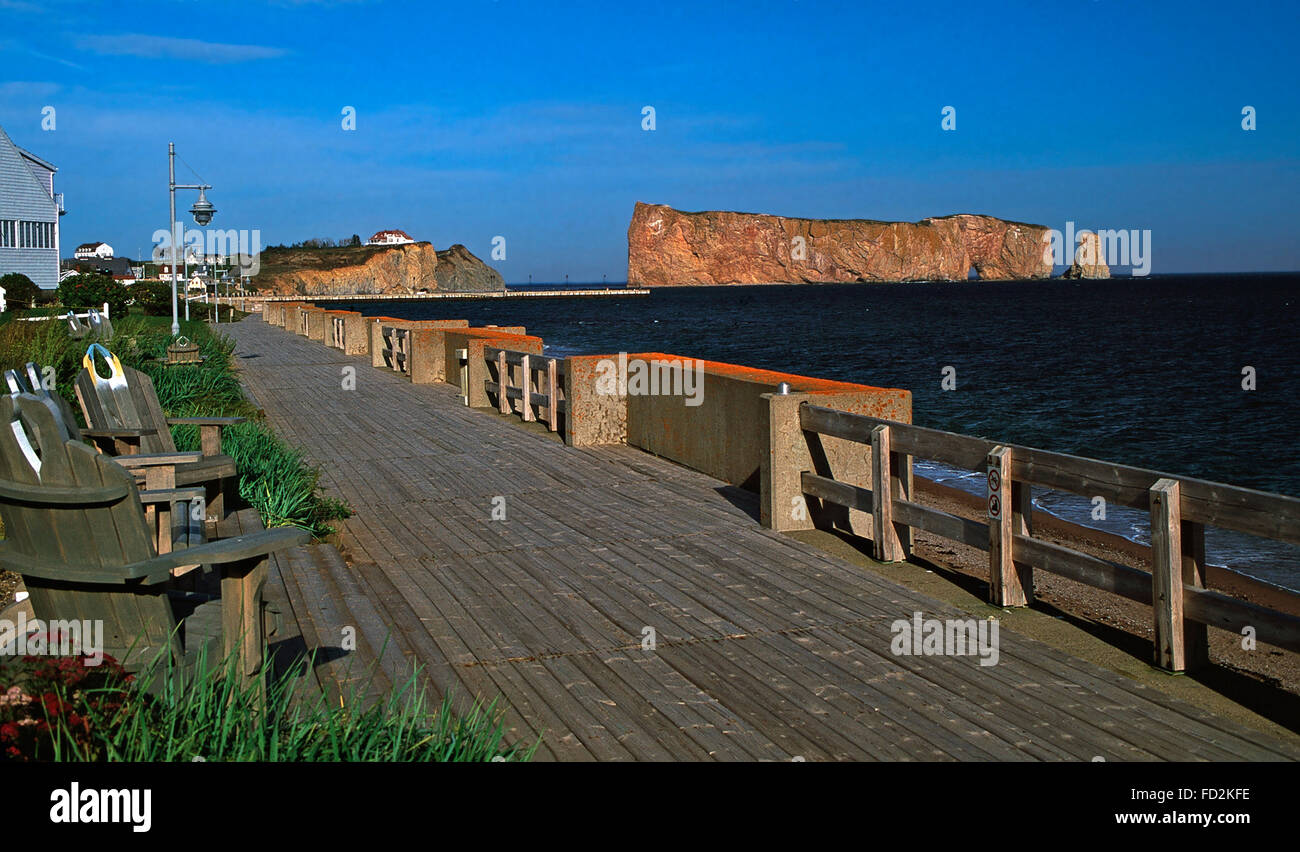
(460, 271)
(401, 269)
(668, 247)
(1088, 260)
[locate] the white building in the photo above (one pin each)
(29, 215)
(390, 238)
(93, 251)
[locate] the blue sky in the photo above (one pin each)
(478, 119)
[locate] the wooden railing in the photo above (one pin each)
(395, 347)
(541, 384)
(337, 336)
(1179, 507)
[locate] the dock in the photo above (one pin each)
(567, 293)
(625, 607)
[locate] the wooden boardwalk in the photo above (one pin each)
(766, 648)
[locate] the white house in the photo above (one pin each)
(93, 251)
(29, 215)
(390, 238)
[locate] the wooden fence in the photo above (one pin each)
(1180, 508)
(540, 385)
(337, 334)
(395, 348)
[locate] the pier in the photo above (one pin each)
(626, 604)
(256, 302)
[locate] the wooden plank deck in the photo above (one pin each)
(766, 649)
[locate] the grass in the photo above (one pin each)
(274, 478)
(224, 717)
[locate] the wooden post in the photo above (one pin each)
(551, 389)
(1005, 587)
(1022, 523)
(462, 366)
(888, 547)
(241, 614)
(1179, 645)
(525, 386)
(210, 444)
(1196, 638)
(900, 466)
(503, 381)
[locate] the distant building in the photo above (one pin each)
(390, 238)
(92, 251)
(29, 215)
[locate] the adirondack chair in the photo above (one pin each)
(76, 328)
(176, 523)
(75, 531)
(99, 325)
(125, 407)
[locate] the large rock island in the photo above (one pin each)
(373, 270)
(667, 247)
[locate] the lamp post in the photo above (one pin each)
(202, 211)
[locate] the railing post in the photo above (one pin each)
(525, 388)
(888, 547)
(503, 383)
(900, 465)
(1196, 636)
(552, 390)
(1180, 645)
(462, 361)
(1006, 586)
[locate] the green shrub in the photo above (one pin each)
(92, 291)
(153, 298)
(20, 291)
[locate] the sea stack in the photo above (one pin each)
(668, 247)
(1088, 260)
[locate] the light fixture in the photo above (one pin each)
(202, 210)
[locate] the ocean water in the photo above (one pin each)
(1145, 372)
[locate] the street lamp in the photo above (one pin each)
(202, 211)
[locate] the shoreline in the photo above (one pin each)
(1276, 667)
(1217, 577)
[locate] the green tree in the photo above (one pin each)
(92, 291)
(20, 291)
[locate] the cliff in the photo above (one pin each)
(378, 270)
(460, 271)
(668, 247)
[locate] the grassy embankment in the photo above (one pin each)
(55, 708)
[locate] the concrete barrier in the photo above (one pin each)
(592, 417)
(293, 317)
(378, 352)
(273, 313)
(728, 421)
(356, 333)
(315, 323)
